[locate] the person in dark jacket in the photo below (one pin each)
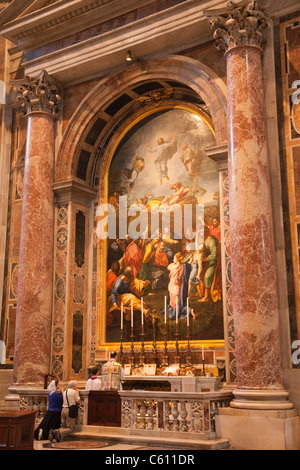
(52, 419)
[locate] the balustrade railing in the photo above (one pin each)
(30, 399)
(190, 413)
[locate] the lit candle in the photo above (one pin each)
(165, 309)
(202, 354)
(122, 316)
(132, 314)
(177, 312)
(142, 311)
(187, 312)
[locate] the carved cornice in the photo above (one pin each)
(40, 93)
(65, 191)
(242, 23)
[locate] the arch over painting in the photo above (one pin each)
(187, 71)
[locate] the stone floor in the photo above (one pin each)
(88, 445)
(111, 439)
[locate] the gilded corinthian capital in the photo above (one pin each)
(241, 23)
(39, 93)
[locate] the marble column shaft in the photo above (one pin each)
(34, 300)
(254, 288)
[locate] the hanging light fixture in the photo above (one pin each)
(128, 57)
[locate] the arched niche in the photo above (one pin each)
(199, 186)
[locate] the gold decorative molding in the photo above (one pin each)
(241, 23)
(40, 93)
(156, 96)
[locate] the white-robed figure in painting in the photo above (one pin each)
(165, 151)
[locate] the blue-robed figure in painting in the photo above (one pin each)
(178, 288)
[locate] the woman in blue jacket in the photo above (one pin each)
(52, 418)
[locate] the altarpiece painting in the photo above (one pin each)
(164, 257)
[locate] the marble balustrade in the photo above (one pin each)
(173, 412)
(192, 414)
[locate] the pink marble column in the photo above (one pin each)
(34, 299)
(254, 289)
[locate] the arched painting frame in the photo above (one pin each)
(131, 169)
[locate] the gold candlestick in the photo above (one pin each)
(155, 356)
(165, 356)
(203, 365)
(177, 357)
(188, 356)
(132, 358)
(121, 348)
(142, 355)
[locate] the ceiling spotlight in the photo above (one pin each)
(128, 57)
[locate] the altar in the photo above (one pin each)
(172, 383)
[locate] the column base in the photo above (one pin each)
(11, 402)
(261, 399)
(259, 429)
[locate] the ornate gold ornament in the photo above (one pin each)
(156, 96)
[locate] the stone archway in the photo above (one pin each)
(188, 71)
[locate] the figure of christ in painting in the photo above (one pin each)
(126, 290)
(165, 151)
(178, 288)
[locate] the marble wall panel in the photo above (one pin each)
(14, 231)
(79, 289)
(59, 318)
(74, 304)
(93, 316)
(287, 53)
(226, 260)
(10, 332)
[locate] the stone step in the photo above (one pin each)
(124, 436)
